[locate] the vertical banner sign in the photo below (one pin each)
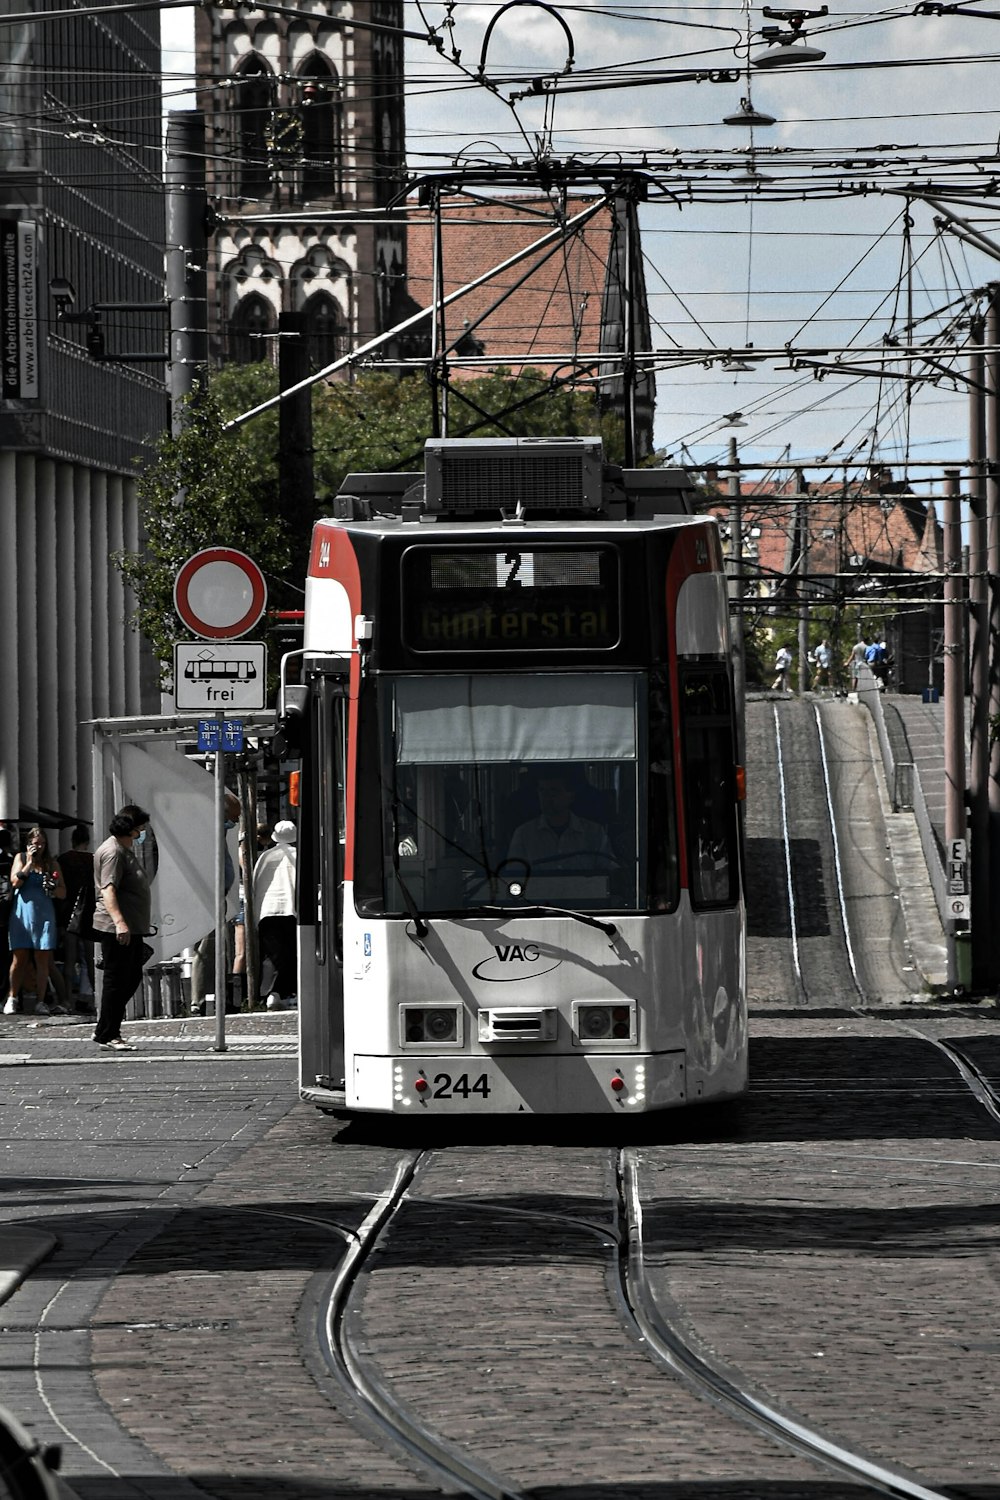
(19, 309)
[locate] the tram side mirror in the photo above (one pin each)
(290, 734)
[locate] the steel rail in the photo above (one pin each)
(431, 1453)
(667, 1346)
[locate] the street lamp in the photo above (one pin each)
(785, 48)
(748, 115)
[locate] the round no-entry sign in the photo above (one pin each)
(220, 594)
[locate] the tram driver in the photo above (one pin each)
(558, 837)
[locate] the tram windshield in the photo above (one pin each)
(513, 789)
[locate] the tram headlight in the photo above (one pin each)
(596, 1022)
(430, 1025)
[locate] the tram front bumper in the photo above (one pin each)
(588, 1083)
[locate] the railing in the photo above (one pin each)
(903, 780)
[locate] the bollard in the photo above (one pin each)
(149, 1005)
(170, 990)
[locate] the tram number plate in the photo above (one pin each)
(446, 1087)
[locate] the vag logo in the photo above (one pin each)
(510, 962)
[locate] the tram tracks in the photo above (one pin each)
(657, 1338)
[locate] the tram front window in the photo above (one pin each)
(504, 789)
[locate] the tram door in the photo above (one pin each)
(321, 890)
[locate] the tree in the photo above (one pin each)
(206, 487)
(213, 485)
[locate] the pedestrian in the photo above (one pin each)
(121, 918)
(877, 658)
(782, 667)
(855, 660)
(203, 962)
(263, 841)
(33, 931)
(274, 908)
(78, 950)
(823, 658)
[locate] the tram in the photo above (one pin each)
(520, 862)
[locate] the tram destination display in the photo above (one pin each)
(491, 599)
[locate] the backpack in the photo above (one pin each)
(875, 653)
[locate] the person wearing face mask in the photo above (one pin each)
(121, 919)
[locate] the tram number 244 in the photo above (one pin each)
(446, 1087)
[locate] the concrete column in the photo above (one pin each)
(66, 680)
(27, 617)
(10, 695)
(132, 640)
(116, 599)
(99, 565)
(83, 638)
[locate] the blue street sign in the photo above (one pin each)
(224, 734)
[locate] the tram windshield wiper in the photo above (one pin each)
(531, 909)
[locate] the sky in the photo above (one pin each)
(799, 242)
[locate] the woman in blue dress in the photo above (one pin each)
(34, 930)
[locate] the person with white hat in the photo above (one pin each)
(274, 907)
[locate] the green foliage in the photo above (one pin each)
(207, 487)
(217, 486)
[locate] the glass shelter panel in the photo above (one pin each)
(514, 789)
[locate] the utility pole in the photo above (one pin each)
(979, 648)
(296, 485)
(187, 257)
(993, 628)
(802, 526)
(736, 594)
(954, 692)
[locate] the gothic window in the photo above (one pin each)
(321, 129)
(252, 319)
(324, 330)
(253, 107)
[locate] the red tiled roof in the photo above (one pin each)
(555, 302)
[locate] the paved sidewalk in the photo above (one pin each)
(62, 1040)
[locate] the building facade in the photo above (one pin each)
(81, 229)
(305, 151)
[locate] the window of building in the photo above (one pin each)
(321, 129)
(252, 320)
(254, 105)
(324, 330)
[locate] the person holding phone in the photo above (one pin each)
(33, 933)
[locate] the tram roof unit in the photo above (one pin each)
(502, 480)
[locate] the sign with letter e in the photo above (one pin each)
(220, 677)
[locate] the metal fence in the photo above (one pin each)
(903, 780)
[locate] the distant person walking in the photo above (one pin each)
(121, 917)
(823, 660)
(855, 661)
(33, 932)
(78, 873)
(274, 906)
(782, 667)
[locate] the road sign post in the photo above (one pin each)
(220, 595)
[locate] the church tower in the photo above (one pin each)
(305, 143)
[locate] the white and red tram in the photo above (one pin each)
(520, 862)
